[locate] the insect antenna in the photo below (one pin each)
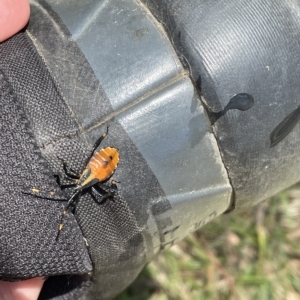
(34, 191)
(61, 224)
(71, 204)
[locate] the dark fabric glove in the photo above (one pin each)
(204, 116)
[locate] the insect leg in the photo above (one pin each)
(64, 186)
(102, 197)
(92, 192)
(112, 187)
(108, 190)
(68, 171)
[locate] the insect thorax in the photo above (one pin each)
(85, 177)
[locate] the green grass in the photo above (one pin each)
(253, 255)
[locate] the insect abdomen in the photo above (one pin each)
(104, 163)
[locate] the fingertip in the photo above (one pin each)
(29, 289)
(14, 15)
(21, 290)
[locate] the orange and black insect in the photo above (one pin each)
(99, 167)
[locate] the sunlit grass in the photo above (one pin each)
(253, 255)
